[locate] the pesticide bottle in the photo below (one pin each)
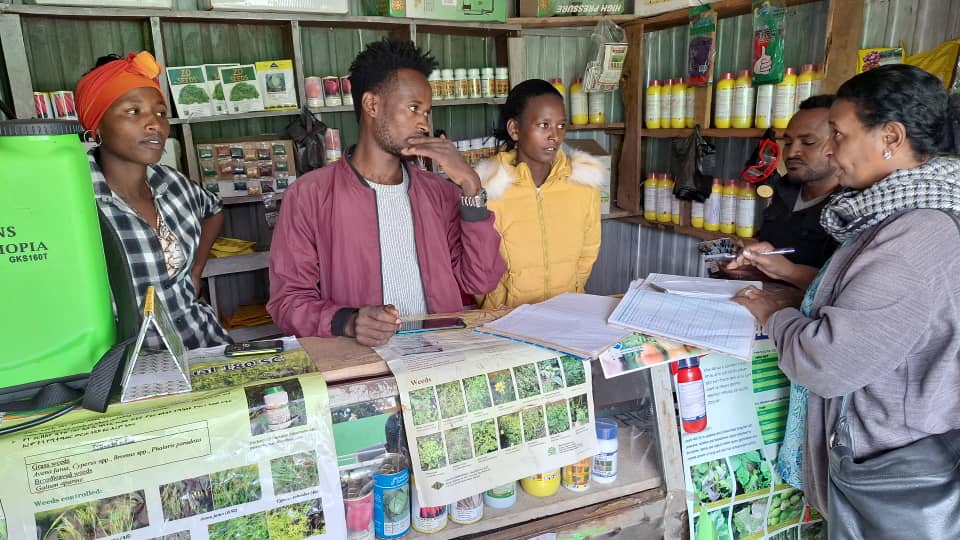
(689, 107)
(711, 209)
(785, 99)
(650, 197)
(742, 116)
(666, 103)
(578, 103)
(728, 207)
(805, 84)
(764, 116)
(678, 101)
(651, 109)
(746, 210)
(723, 104)
(664, 198)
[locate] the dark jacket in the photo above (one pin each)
(801, 230)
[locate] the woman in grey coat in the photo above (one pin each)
(887, 330)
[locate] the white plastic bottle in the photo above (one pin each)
(605, 462)
(711, 211)
(785, 99)
(764, 116)
(501, 496)
(742, 115)
(666, 101)
(728, 207)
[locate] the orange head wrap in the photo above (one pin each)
(98, 89)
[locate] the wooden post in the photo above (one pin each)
(630, 176)
(844, 34)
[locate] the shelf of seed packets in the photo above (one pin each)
(235, 168)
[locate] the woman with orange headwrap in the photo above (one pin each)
(166, 222)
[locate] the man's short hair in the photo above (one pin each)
(377, 65)
(823, 101)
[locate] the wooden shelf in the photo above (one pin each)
(470, 101)
(261, 17)
(241, 116)
(681, 17)
(237, 263)
(246, 199)
(687, 230)
(733, 133)
(617, 213)
(248, 333)
(566, 22)
(609, 126)
(633, 477)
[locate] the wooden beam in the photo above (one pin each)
(18, 68)
(844, 33)
(630, 178)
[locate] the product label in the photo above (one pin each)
(693, 401)
(650, 198)
(605, 464)
(728, 209)
(724, 99)
(468, 510)
(745, 211)
(785, 103)
(391, 504)
(653, 107)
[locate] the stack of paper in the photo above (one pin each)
(572, 323)
(697, 319)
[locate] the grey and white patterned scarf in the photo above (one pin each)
(933, 185)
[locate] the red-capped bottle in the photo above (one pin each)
(691, 395)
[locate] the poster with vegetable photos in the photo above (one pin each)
(479, 410)
(731, 466)
(251, 459)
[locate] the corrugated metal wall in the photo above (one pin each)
(920, 24)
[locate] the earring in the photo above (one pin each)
(90, 136)
(887, 154)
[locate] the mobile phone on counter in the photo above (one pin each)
(245, 348)
(430, 325)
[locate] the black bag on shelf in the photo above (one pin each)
(694, 161)
(307, 132)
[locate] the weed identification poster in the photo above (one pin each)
(252, 456)
(480, 411)
(730, 467)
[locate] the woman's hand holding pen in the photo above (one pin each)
(772, 265)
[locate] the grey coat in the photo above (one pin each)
(891, 336)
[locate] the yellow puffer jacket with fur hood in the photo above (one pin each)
(551, 235)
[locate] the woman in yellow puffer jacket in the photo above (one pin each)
(547, 203)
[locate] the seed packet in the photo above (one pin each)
(701, 45)
(769, 22)
(188, 89)
(875, 57)
(241, 89)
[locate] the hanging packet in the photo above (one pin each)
(607, 54)
(701, 45)
(769, 22)
(875, 57)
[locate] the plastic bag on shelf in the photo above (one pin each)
(693, 163)
(769, 26)
(607, 53)
(307, 132)
(701, 45)
(941, 60)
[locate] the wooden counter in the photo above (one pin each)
(343, 359)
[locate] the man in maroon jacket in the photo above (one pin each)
(369, 239)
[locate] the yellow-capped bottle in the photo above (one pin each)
(723, 104)
(764, 116)
(804, 84)
(690, 107)
(711, 210)
(785, 99)
(728, 207)
(664, 198)
(678, 101)
(557, 83)
(651, 109)
(578, 103)
(666, 100)
(675, 210)
(697, 210)
(746, 210)
(742, 100)
(650, 197)
(817, 79)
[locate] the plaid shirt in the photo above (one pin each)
(183, 205)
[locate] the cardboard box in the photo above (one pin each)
(444, 10)
(567, 8)
(593, 148)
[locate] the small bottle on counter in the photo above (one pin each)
(576, 476)
(605, 462)
(690, 394)
(542, 484)
(501, 496)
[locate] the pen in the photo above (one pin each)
(779, 251)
